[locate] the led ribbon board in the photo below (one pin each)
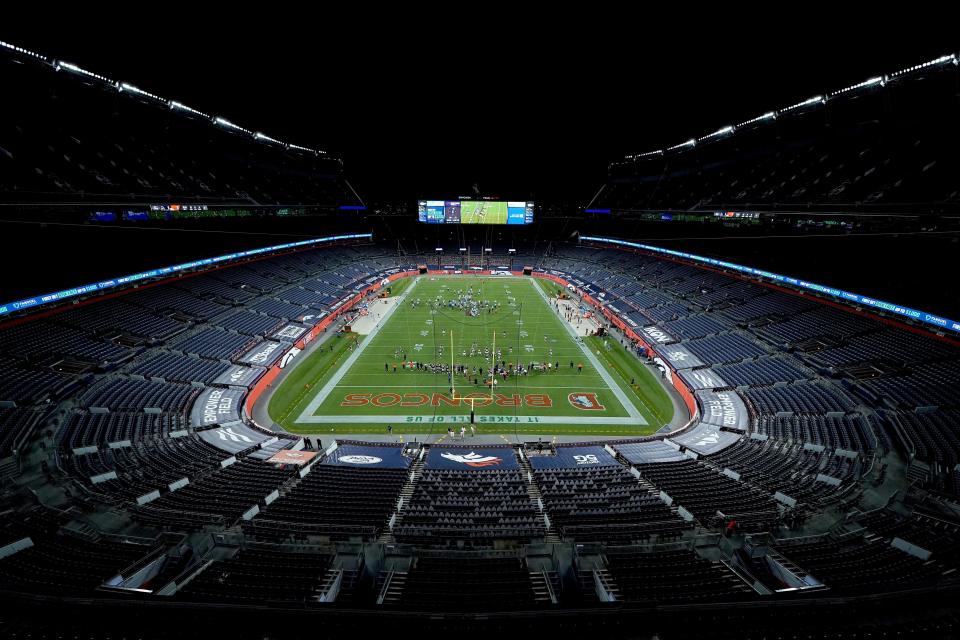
(104, 285)
(913, 314)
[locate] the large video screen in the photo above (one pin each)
(474, 212)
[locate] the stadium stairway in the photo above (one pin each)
(536, 498)
(390, 587)
(544, 584)
(406, 493)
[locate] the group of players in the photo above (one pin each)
(501, 369)
(463, 300)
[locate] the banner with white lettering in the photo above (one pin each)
(706, 439)
(574, 458)
(679, 357)
(263, 353)
(703, 379)
(216, 406)
(240, 376)
(656, 335)
(724, 409)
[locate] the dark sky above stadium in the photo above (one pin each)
(523, 108)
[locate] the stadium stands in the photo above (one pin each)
(836, 414)
(474, 507)
(872, 157)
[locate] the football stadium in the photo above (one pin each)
(267, 373)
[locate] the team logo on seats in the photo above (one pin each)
(709, 438)
(229, 433)
(586, 401)
(473, 459)
(361, 459)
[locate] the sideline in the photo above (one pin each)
(348, 363)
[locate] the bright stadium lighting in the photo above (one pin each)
(260, 136)
(307, 149)
(861, 85)
(60, 64)
(806, 103)
(689, 143)
(937, 61)
(223, 122)
(719, 132)
(132, 89)
(769, 115)
(13, 47)
(182, 107)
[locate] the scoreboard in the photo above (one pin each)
(475, 212)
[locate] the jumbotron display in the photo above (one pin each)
(474, 212)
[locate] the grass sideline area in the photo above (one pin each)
(294, 393)
(629, 368)
(530, 330)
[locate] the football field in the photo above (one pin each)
(547, 380)
(483, 212)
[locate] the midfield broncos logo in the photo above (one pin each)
(473, 459)
(586, 401)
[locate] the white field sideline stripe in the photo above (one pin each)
(613, 386)
(348, 363)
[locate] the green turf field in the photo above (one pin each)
(484, 212)
(355, 389)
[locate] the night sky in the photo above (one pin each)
(524, 108)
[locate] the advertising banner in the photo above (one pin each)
(216, 406)
(724, 409)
